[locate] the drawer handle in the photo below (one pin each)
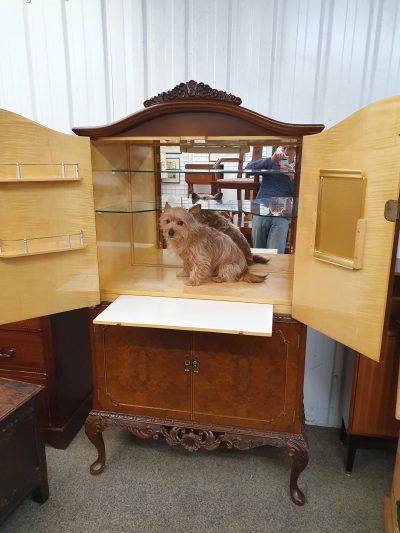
(7, 354)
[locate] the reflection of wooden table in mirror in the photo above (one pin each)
(22, 455)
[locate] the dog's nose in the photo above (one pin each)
(171, 232)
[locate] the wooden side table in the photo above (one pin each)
(392, 501)
(22, 454)
(369, 400)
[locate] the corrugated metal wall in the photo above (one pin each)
(68, 63)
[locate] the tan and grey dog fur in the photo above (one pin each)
(206, 252)
(197, 196)
(217, 220)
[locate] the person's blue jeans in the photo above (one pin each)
(270, 232)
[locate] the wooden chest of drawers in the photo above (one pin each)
(22, 455)
(52, 351)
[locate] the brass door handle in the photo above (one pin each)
(190, 365)
(187, 363)
(7, 354)
(196, 365)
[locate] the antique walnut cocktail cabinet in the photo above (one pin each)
(215, 364)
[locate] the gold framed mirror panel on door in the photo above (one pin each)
(340, 225)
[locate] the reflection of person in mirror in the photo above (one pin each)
(271, 231)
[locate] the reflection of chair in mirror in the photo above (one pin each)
(198, 178)
(242, 183)
(246, 187)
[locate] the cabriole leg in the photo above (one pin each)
(94, 427)
(298, 450)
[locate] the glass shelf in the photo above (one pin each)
(41, 245)
(251, 172)
(282, 206)
(131, 207)
(38, 172)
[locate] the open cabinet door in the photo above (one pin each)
(48, 257)
(344, 242)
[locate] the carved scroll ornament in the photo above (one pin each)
(193, 439)
(192, 89)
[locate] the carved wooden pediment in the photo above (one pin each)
(197, 110)
(192, 89)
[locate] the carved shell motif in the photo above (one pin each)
(191, 440)
(192, 89)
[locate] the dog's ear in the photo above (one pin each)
(167, 206)
(195, 210)
(195, 197)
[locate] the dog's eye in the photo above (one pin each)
(180, 222)
(167, 221)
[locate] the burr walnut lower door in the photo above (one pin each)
(249, 382)
(144, 371)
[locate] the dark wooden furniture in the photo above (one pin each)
(392, 501)
(369, 401)
(201, 390)
(52, 351)
(246, 188)
(370, 388)
(201, 179)
(197, 390)
(22, 454)
(242, 183)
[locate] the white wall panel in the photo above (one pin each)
(135, 65)
(16, 62)
(45, 46)
(68, 63)
(86, 63)
(165, 44)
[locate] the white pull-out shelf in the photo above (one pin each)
(219, 316)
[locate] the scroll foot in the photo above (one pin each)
(94, 427)
(297, 449)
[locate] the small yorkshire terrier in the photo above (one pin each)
(196, 197)
(219, 221)
(206, 252)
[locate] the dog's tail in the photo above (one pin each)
(252, 278)
(260, 259)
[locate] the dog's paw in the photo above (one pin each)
(192, 282)
(218, 279)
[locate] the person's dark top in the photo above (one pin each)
(272, 185)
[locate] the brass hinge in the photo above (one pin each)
(392, 210)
